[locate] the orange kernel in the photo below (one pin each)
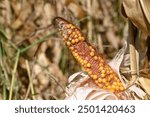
(94, 77)
(95, 57)
(101, 68)
(76, 40)
(73, 41)
(88, 65)
(69, 32)
(91, 53)
(103, 75)
(68, 43)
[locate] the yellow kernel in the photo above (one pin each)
(68, 43)
(80, 38)
(72, 27)
(121, 88)
(111, 76)
(95, 57)
(71, 48)
(103, 71)
(104, 80)
(103, 75)
(89, 72)
(111, 71)
(76, 40)
(119, 83)
(64, 36)
(81, 61)
(88, 65)
(101, 68)
(101, 64)
(100, 85)
(99, 80)
(75, 50)
(91, 48)
(109, 87)
(115, 83)
(79, 58)
(107, 84)
(113, 87)
(75, 36)
(85, 61)
(91, 53)
(117, 87)
(116, 78)
(69, 32)
(73, 41)
(108, 78)
(112, 90)
(94, 77)
(101, 60)
(96, 81)
(107, 71)
(73, 33)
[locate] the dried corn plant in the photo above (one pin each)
(35, 63)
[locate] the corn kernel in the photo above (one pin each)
(100, 85)
(91, 48)
(68, 43)
(69, 32)
(85, 61)
(71, 48)
(101, 68)
(80, 38)
(103, 75)
(96, 81)
(113, 86)
(91, 53)
(88, 65)
(73, 41)
(115, 83)
(89, 72)
(95, 57)
(68, 26)
(99, 79)
(101, 64)
(72, 27)
(117, 88)
(103, 71)
(75, 36)
(104, 80)
(94, 77)
(112, 90)
(111, 71)
(76, 40)
(109, 87)
(107, 84)
(121, 88)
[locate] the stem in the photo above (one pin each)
(30, 79)
(13, 75)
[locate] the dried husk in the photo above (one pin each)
(138, 11)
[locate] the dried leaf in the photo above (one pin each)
(138, 12)
(145, 83)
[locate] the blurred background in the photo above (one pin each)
(34, 62)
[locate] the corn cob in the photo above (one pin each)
(87, 56)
